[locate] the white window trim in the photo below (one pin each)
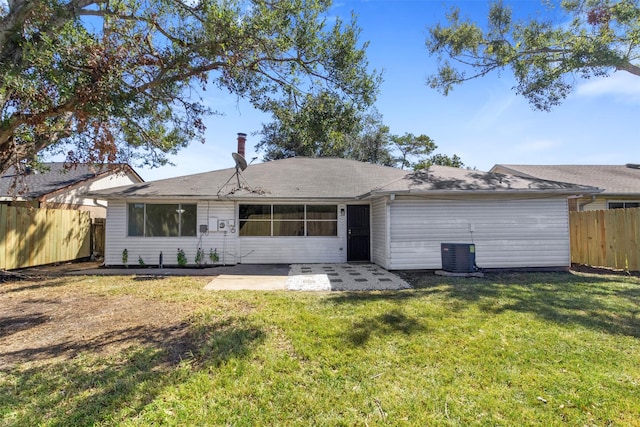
(144, 221)
(271, 220)
(622, 201)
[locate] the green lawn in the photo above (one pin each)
(512, 349)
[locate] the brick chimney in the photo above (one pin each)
(242, 139)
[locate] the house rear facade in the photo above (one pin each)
(328, 210)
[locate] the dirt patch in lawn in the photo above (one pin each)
(43, 319)
(580, 268)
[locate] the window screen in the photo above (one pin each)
(162, 219)
(288, 220)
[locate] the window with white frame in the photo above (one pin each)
(623, 205)
(161, 220)
(288, 220)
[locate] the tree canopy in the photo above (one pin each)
(582, 38)
(121, 80)
(321, 127)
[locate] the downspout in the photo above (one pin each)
(95, 202)
(581, 207)
(388, 230)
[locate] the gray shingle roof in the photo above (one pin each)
(613, 179)
(56, 177)
(329, 178)
(454, 180)
(298, 177)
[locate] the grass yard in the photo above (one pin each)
(512, 349)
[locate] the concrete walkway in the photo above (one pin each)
(314, 277)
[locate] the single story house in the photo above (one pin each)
(57, 186)
(620, 184)
(331, 210)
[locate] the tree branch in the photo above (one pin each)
(629, 68)
(21, 11)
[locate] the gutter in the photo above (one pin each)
(477, 192)
(216, 197)
(14, 199)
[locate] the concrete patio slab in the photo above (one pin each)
(314, 277)
(268, 277)
(343, 277)
(250, 277)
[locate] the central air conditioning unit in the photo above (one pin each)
(458, 257)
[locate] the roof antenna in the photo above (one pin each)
(241, 165)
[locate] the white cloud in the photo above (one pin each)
(622, 86)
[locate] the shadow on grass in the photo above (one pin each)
(14, 324)
(33, 283)
(392, 322)
(87, 389)
(607, 304)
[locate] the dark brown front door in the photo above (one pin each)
(358, 239)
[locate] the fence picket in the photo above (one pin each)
(607, 238)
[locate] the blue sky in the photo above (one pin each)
(482, 121)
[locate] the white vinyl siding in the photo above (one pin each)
(379, 232)
(286, 250)
(507, 233)
(149, 248)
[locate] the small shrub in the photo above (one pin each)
(182, 258)
(213, 255)
(141, 261)
(199, 256)
(125, 257)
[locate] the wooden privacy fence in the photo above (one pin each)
(98, 236)
(30, 236)
(608, 238)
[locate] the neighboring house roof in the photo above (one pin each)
(613, 179)
(331, 178)
(35, 184)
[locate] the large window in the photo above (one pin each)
(288, 220)
(162, 220)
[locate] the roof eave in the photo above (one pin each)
(618, 194)
(15, 199)
(215, 197)
(477, 192)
